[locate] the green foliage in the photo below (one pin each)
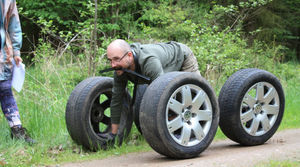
(271, 21)
(276, 21)
(63, 13)
(222, 49)
(170, 22)
(223, 53)
(234, 14)
(62, 17)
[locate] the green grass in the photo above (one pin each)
(279, 163)
(42, 105)
(291, 118)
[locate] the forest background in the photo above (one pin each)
(64, 42)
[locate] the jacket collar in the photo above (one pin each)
(136, 62)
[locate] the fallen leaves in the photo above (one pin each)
(55, 150)
(2, 163)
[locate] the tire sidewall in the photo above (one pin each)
(90, 135)
(141, 89)
(187, 78)
(78, 114)
(262, 76)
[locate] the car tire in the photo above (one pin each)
(88, 113)
(180, 114)
(251, 106)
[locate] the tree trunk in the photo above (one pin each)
(297, 46)
(94, 42)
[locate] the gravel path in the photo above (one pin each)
(225, 153)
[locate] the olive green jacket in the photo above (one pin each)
(152, 60)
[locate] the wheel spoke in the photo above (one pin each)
(260, 91)
(105, 104)
(271, 109)
(259, 114)
(245, 117)
(269, 96)
(198, 100)
(198, 131)
(187, 95)
(254, 126)
(204, 115)
(265, 123)
(175, 106)
(188, 110)
(249, 100)
(96, 106)
(185, 135)
(106, 120)
(175, 124)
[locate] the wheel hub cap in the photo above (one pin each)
(257, 108)
(187, 115)
(97, 114)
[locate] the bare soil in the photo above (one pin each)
(283, 145)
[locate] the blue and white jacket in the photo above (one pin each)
(10, 37)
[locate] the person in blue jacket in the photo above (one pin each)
(10, 44)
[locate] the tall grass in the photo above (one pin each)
(291, 118)
(42, 105)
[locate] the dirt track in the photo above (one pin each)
(283, 145)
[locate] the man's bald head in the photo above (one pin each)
(120, 56)
(118, 45)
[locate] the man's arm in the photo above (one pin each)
(118, 93)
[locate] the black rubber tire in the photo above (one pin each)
(137, 103)
(153, 116)
(231, 99)
(83, 102)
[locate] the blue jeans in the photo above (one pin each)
(8, 104)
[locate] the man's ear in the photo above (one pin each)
(130, 54)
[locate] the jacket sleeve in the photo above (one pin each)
(118, 92)
(14, 29)
(153, 68)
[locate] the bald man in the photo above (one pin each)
(151, 60)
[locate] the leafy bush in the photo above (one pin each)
(166, 22)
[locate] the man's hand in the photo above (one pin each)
(18, 60)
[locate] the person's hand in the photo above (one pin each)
(18, 60)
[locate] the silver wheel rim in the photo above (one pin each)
(259, 109)
(189, 115)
